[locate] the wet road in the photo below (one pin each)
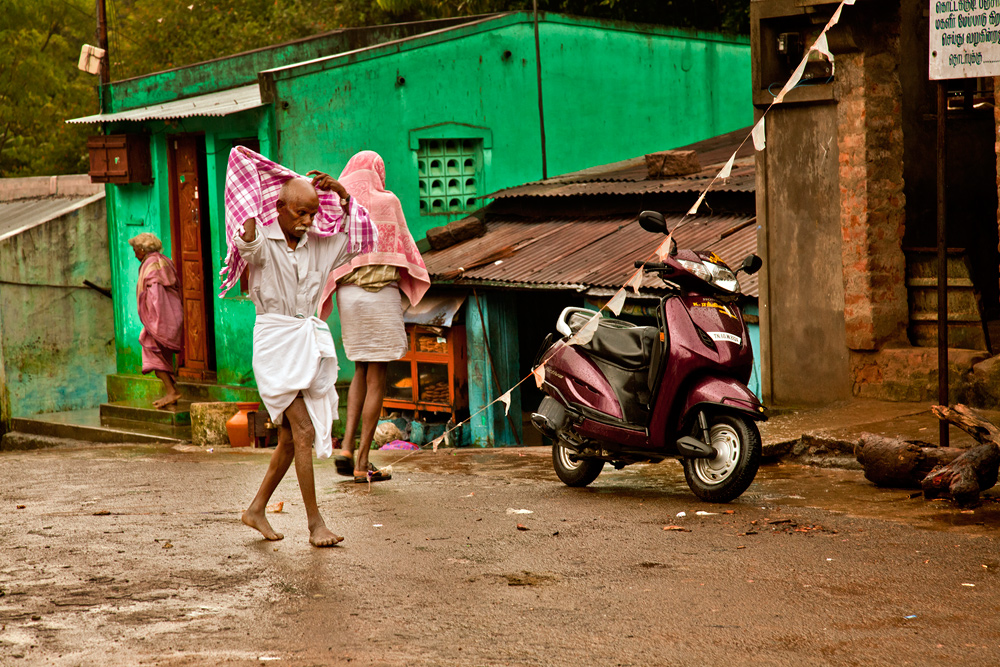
(135, 555)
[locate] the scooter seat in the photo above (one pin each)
(630, 347)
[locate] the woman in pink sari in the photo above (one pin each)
(371, 310)
(159, 299)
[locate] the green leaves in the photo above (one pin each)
(40, 86)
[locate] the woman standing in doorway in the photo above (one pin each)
(370, 306)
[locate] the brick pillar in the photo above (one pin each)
(870, 145)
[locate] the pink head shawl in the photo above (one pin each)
(364, 178)
(253, 184)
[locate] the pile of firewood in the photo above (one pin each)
(939, 471)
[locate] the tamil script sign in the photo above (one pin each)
(965, 38)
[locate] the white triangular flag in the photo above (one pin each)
(823, 46)
(758, 134)
(793, 80)
(437, 441)
(539, 374)
(635, 282)
(849, 2)
(505, 399)
(664, 250)
(617, 302)
(583, 336)
(694, 209)
(835, 19)
(728, 169)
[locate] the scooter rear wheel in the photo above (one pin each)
(574, 470)
(723, 478)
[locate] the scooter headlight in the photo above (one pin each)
(712, 273)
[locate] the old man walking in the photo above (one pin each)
(292, 237)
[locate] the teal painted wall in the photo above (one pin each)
(491, 339)
(56, 335)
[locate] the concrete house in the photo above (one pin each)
(846, 200)
(56, 326)
(452, 106)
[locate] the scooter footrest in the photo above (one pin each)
(692, 448)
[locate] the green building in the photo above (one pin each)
(452, 106)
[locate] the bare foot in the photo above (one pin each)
(321, 536)
(258, 521)
(169, 399)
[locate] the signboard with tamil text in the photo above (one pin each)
(964, 39)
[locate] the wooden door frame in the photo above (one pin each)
(207, 374)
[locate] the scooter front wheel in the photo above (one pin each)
(574, 470)
(736, 441)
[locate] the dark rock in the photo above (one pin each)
(672, 163)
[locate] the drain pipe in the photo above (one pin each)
(541, 109)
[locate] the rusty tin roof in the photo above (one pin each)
(630, 177)
(583, 253)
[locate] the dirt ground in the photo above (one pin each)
(136, 556)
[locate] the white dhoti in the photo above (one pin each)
(292, 355)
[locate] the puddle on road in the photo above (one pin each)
(781, 484)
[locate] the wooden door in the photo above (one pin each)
(187, 208)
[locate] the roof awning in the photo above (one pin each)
(436, 311)
(222, 103)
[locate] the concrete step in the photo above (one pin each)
(122, 432)
(176, 415)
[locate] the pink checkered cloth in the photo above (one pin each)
(252, 186)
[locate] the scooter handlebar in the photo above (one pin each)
(650, 266)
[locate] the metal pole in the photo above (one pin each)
(541, 110)
(102, 41)
(942, 259)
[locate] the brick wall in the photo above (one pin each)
(996, 120)
(870, 145)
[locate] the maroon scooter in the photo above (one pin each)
(647, 393)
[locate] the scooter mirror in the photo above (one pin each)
(653, 221)
(751, 265)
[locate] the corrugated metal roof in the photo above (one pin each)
(582, 253)
(630, 177)
(222, 103)
(23, 214)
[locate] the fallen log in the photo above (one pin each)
(974, 471)
(901, 464)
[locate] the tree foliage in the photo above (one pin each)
(40, 40)
(153, 35)
(40, 86)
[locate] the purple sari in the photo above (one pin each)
(161, 312)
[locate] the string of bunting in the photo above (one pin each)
(617, 302)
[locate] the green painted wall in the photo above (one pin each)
(241, 69)
(611, 92)
(56, 335)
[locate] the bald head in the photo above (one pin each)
(297, 205)
(296, 191)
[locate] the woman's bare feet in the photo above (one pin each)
(321, 536)
(169, 399)
(258, 521)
